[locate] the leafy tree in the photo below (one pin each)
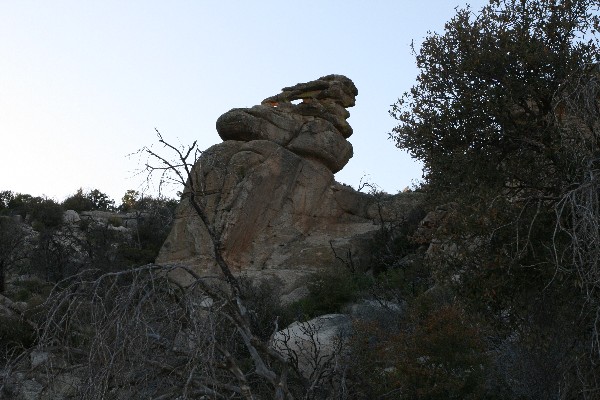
(78, 202)
(5, 197)
(42, 211)
(482, 112)
(496, 118)
(92, 200)
(101, 201)
(129, 200)
(329, 291)
(46, 213)
(19, 203)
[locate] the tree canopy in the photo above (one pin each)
(484, 108)
(505, 116)
(91, 200)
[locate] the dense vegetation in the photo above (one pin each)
(505, 118)
(34, 238)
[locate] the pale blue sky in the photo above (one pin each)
(84, 83)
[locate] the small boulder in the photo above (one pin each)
(316, 344)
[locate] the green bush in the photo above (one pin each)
(92, 200)
(19, 203)
(403, 282)
(78, 202)
(46, 212)
(329, 291)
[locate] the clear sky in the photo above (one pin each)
(84, 83)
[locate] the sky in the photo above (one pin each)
(85, 83)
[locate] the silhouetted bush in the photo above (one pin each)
(329, 291)
(439, 354)
(46, 212)
(89, 201)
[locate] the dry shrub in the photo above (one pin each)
(434, 354)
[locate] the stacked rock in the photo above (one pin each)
(316, 128)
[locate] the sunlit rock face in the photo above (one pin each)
(270, 193)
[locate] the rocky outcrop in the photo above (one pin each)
(270, 193)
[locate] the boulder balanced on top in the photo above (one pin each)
(316, 128)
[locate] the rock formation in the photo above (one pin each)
(315, 129)
(270, 193)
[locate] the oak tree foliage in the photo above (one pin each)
(505, 118)
(88, 201)
(483, 111)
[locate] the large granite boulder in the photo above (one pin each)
(270, 194)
